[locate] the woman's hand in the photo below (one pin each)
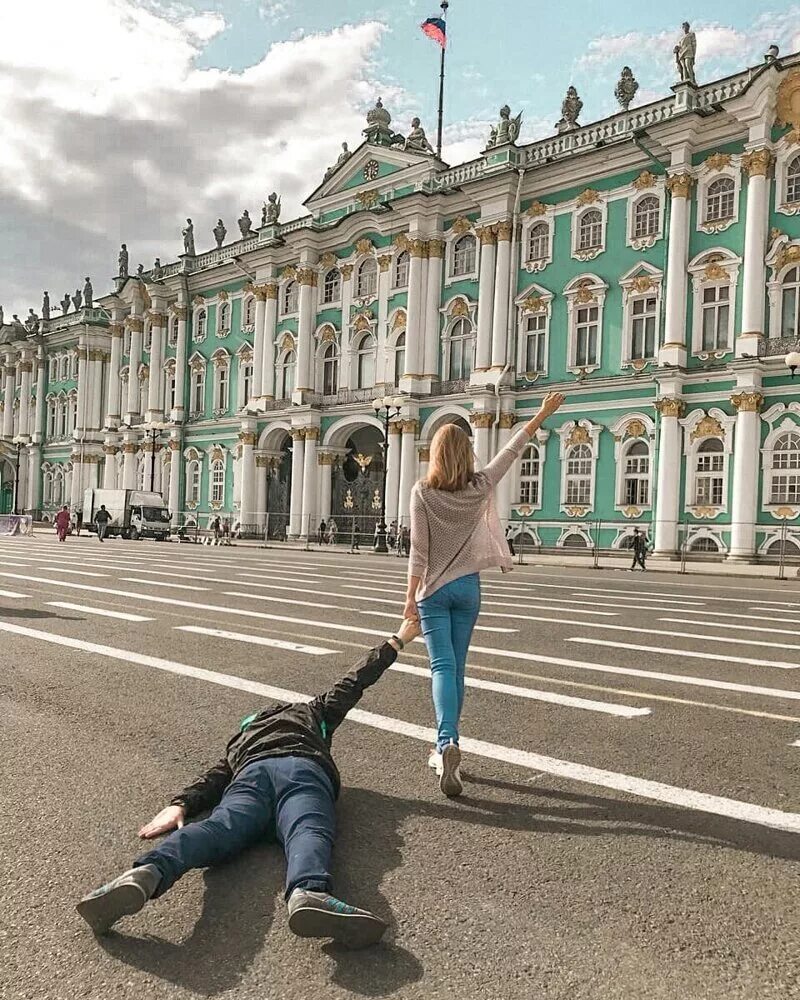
(551, 402)
(410, 611)
(168, 819)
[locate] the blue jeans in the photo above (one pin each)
(447, 618)
(288, 799)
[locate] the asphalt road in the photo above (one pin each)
(630, 826)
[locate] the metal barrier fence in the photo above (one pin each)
(16, 525)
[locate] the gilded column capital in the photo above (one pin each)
(134, 323)
(436, 248)
(181, 312)
(298, 433)
(248, 437)
(262, 461)
(396, 427)
(757, 162)
(409, 426)
(482, 420)
(679, 185)
(130, 448)
(110, 449)
(487, 235)
(417, 248)
(115, 329)
(25, 366)
(157, 319)
(507, 420)
(670, 406)
(311, 433)
(504, 230)
(307, 276)
(325, 458)
(174, 444)
(347, 271)
(384, 261)
(747, 402)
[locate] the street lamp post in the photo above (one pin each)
(154, 431)
(385, 408)
(18, 442)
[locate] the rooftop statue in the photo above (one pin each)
(685, 51)
(77, 299)
(271, 211)
(32, 322)
(220, 232)
(140, 271)
(65, 303)
(158, 270)
(507, 129)
(571, 108)
(19, 327)
(45, 306)
(245, 224)
(123, 261)
(1, 316)
(626, 88)
(416, 140)
(188, 238)
(342, 158)
(88, 294)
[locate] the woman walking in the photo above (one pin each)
(455, 533)
(62, 522)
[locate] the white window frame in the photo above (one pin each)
(775, 286)
(337, 298)
(359, 351)
(193, 477)
(223, 318)
(785, 154)
(289, 304)
(707, 177)
(286, 360)
(570, 434)
(172, 331)
(200, 326)
(634, 201)
(401, 260)
(52, 368)
(248, 313)
(700, 280)
(197, 386)
(358, 291)
(170, 385)
(531, 219)
(781, 420)
(529, 480)
(600, 204)
(217, 481)
(324, 362)
(533, 301)
(447, 342)
(633, 285)
(451, 239)
(693, 437)
(575, 294)
(222, 384)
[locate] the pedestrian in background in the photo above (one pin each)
(510, 541)
(405, 540)
(62, 521)
(226, 531)
(101, 519)
(77, 522)
(639, 547)
(216, 527)
(332, 532)
(455, 533)
(391, 538)
(321, 534)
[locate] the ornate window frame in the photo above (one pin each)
(285, 357)
(646, 185)
(323, 277)
(781, 419)
(584, 290)
(713, 268)
(627, 430)
(588, 201)
(642, 282)
(197, 380)
(575, 529)
(244, 359)
(288, 307)
(325, 335)
(217, 457)
(700, 426)
(570, 434)
(400, 281)
(774, 535)
(460, 227)
(784, 255)
(715, 167)
(457, 307)
(786, 151)
(169, 369)
(539, 442)
(533, 301)
(221, 360)
(537, 214)
(698, 532)
(200, 325)
(356, 351)
(192, 467)
(248, 322)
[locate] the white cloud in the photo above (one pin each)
(110, 132)
(464, 140)
(274, 11)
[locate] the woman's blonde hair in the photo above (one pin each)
(452, 464)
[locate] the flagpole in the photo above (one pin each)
(444, 6)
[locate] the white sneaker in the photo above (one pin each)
(450, 778)
(435, 761)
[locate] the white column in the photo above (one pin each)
(247, 477)
(262, 465)
(110, 467)
(307, 279)
(423, 458)
(37, 431)
(8, 399)
(310, 481)
(393, 471)
(181, 360)
(258, 342)
(135, 324)
(76, 492)
(84, 389)
(408, 468)
(481, 432)
(296, 497)
(25, 397)
(505, 486)
(129, 449)
(96, 364)
(155, 395)
(669, 476)
(417, 251)
(746, 468)
(754, 272)
(175, 475)
(34, 501)
(113, 408)
(433, 293)
(345, 355)
(384, 369)
(325, 460)
(501, 293)
(673, 350)
(270, 324)
(483, 349)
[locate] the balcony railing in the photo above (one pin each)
(452, 387)
(775, 347)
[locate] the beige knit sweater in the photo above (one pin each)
(457, 533)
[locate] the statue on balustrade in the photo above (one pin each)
(245, 224)
(140, 271)
(188, 238)
(571, 107)
(65, 304)
(685, 51)
(32, 322)
(19, 328)
(507, 129)
(416, 140)
(271, 211)
(626, 88)
(77, 299)
(88, 295)
(122, 261)
(45, 306)
(343, 157)
(220, 232)
(2, 320)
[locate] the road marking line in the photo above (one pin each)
(702, 656)
(156, 583)
(685, 635)
(764, 618)
(552, 697)
(732, 638)
(685, 798)
(124, 615)
(393, 616)
(257, 640)
(11, 593)
(795, 744)
(282, 600)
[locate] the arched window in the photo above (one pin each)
(530, 475)
(330, 371)
(63, 417)
(578, 480)
(719, 200)
(249, 311)
(462, 350)
(173, 331)
(224, 322)
(535, 342)
(218, 481)
(401, 269)
(198, 389)
(245, 381)
(704, 544)
(332, 286)
(539, 242)
(636, 481)
(52, 414)
(646, 217)
(399, 358)
(574, 541)
(221, 385)
(193, 481)
(144, 390)
(200, 326)
(290, 297)
(590, 230)
(464, 255)
(72, 403)
(142, 471)
(64, 366)
(147, 342)
(169, 386)
(287, 367)
(785, 486)
(793, 181)
(47, 487)
(790, 303)
(52, 369)
(644, 309)
(367, 278)
(790, 548)
(587, 329)
(365, 361)
(58, 486)
(709, 473)
(716, 316)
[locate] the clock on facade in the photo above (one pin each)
(371, 170)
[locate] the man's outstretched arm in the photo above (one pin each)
(336, 703)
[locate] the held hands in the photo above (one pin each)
(168, 819)
(551, 402)
(409, 630)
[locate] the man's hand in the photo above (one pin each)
(168, 819)
(410, 611)
(551, 402)
(409, 630)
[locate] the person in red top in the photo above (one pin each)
(62, 523)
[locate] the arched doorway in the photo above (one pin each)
(274, 480)
(357, 484)
(6, 486)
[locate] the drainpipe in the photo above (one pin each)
(512, 282)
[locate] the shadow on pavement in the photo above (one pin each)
(36, 613)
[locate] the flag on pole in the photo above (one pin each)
(435, 28)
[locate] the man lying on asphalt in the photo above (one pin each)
(277, 780)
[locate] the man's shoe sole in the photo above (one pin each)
(450, 783)
(102, 912)
(354, 930)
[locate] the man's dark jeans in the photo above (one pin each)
(285, 798)
(102, 528)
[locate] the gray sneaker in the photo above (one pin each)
(450, 776)
(320, 915)
(123, 896)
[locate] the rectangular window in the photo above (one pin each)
(586, 336)
(786, 488)
(529, 476)
(643, 332)
(535, 333)
(790, 328)
(716, 316)
(579, 491)
(709, 480)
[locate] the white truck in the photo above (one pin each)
(134, 513)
